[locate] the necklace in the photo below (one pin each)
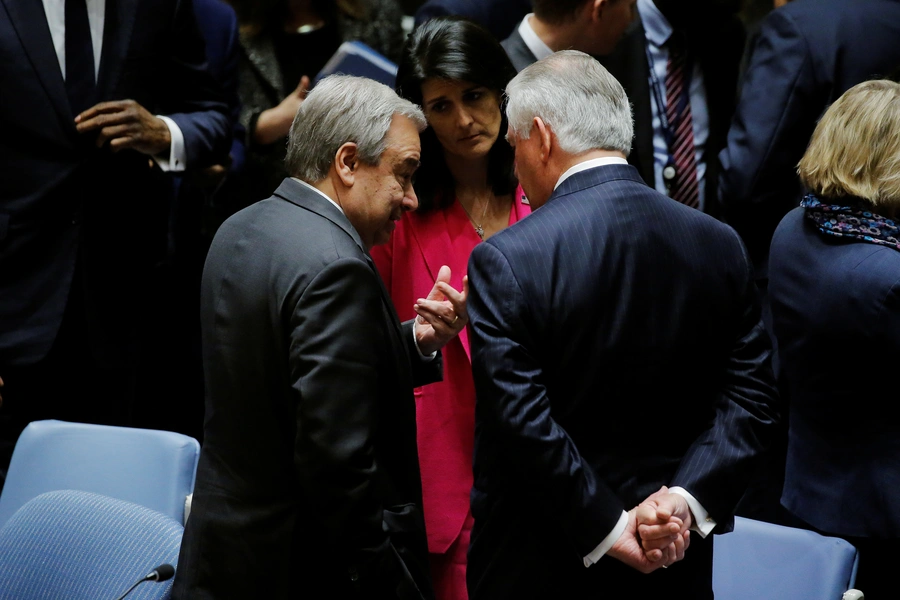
(479, 228)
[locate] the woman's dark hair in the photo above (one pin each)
(454, 48)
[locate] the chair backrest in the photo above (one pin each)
(152, 468)
(762, 560)
(82, 546)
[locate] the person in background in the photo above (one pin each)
(679, 66)
(102, 101)
(199, 199)
(834, 284)
(808, 53)
(467, 192)
(591, 26)
(499, 17)
(284, 44)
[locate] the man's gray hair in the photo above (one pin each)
(576, 96)
(342, 109)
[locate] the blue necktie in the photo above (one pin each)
(80, 84)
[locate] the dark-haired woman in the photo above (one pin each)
(467, 192)
(284, 44)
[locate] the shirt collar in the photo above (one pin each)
(531, 39)
(319, 192)
(590, 164)
(657, 28)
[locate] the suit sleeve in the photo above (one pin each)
(194, 99)
(229, 78)
(719, 464)
(774, 121)
(513, 407)
(336, 332)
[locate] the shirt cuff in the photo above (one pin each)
(703, 523)
(424, 357)
(177, 159)
(607, 543)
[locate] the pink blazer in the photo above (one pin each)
(445, 411)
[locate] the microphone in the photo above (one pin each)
(163, 572)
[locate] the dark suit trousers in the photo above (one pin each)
(67, 384)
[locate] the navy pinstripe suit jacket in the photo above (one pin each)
(616, 347)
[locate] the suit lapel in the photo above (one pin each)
(518, 51)
(391, 312)
(300, 195)
(297, 193)
(117, 27)
(433, 238)
(432, 234)
(30, 22)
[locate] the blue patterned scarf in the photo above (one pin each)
(852, 222)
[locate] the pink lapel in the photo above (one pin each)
(432, 232)
(446, 237)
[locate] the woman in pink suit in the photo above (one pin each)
(467, 191)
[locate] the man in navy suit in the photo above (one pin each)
(591, 320)
(84, 200)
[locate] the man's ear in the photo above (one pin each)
(545, 136)
(346, 162)
(597, 8)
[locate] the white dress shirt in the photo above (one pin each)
(55, 10)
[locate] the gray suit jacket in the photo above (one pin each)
(309, 477)
(518, 52)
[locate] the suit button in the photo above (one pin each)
(354, 576)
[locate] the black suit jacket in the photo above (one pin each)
(518, 51)
(62, 198)
(808, 53)
(616, 347)
(718, 52)
(308, 481)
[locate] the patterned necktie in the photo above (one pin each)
(80, 84)
(683, 187)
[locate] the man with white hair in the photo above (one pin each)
(308, 482)
(591, 320)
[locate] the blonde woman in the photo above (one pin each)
(835, 291)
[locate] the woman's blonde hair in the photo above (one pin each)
(855, 149)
